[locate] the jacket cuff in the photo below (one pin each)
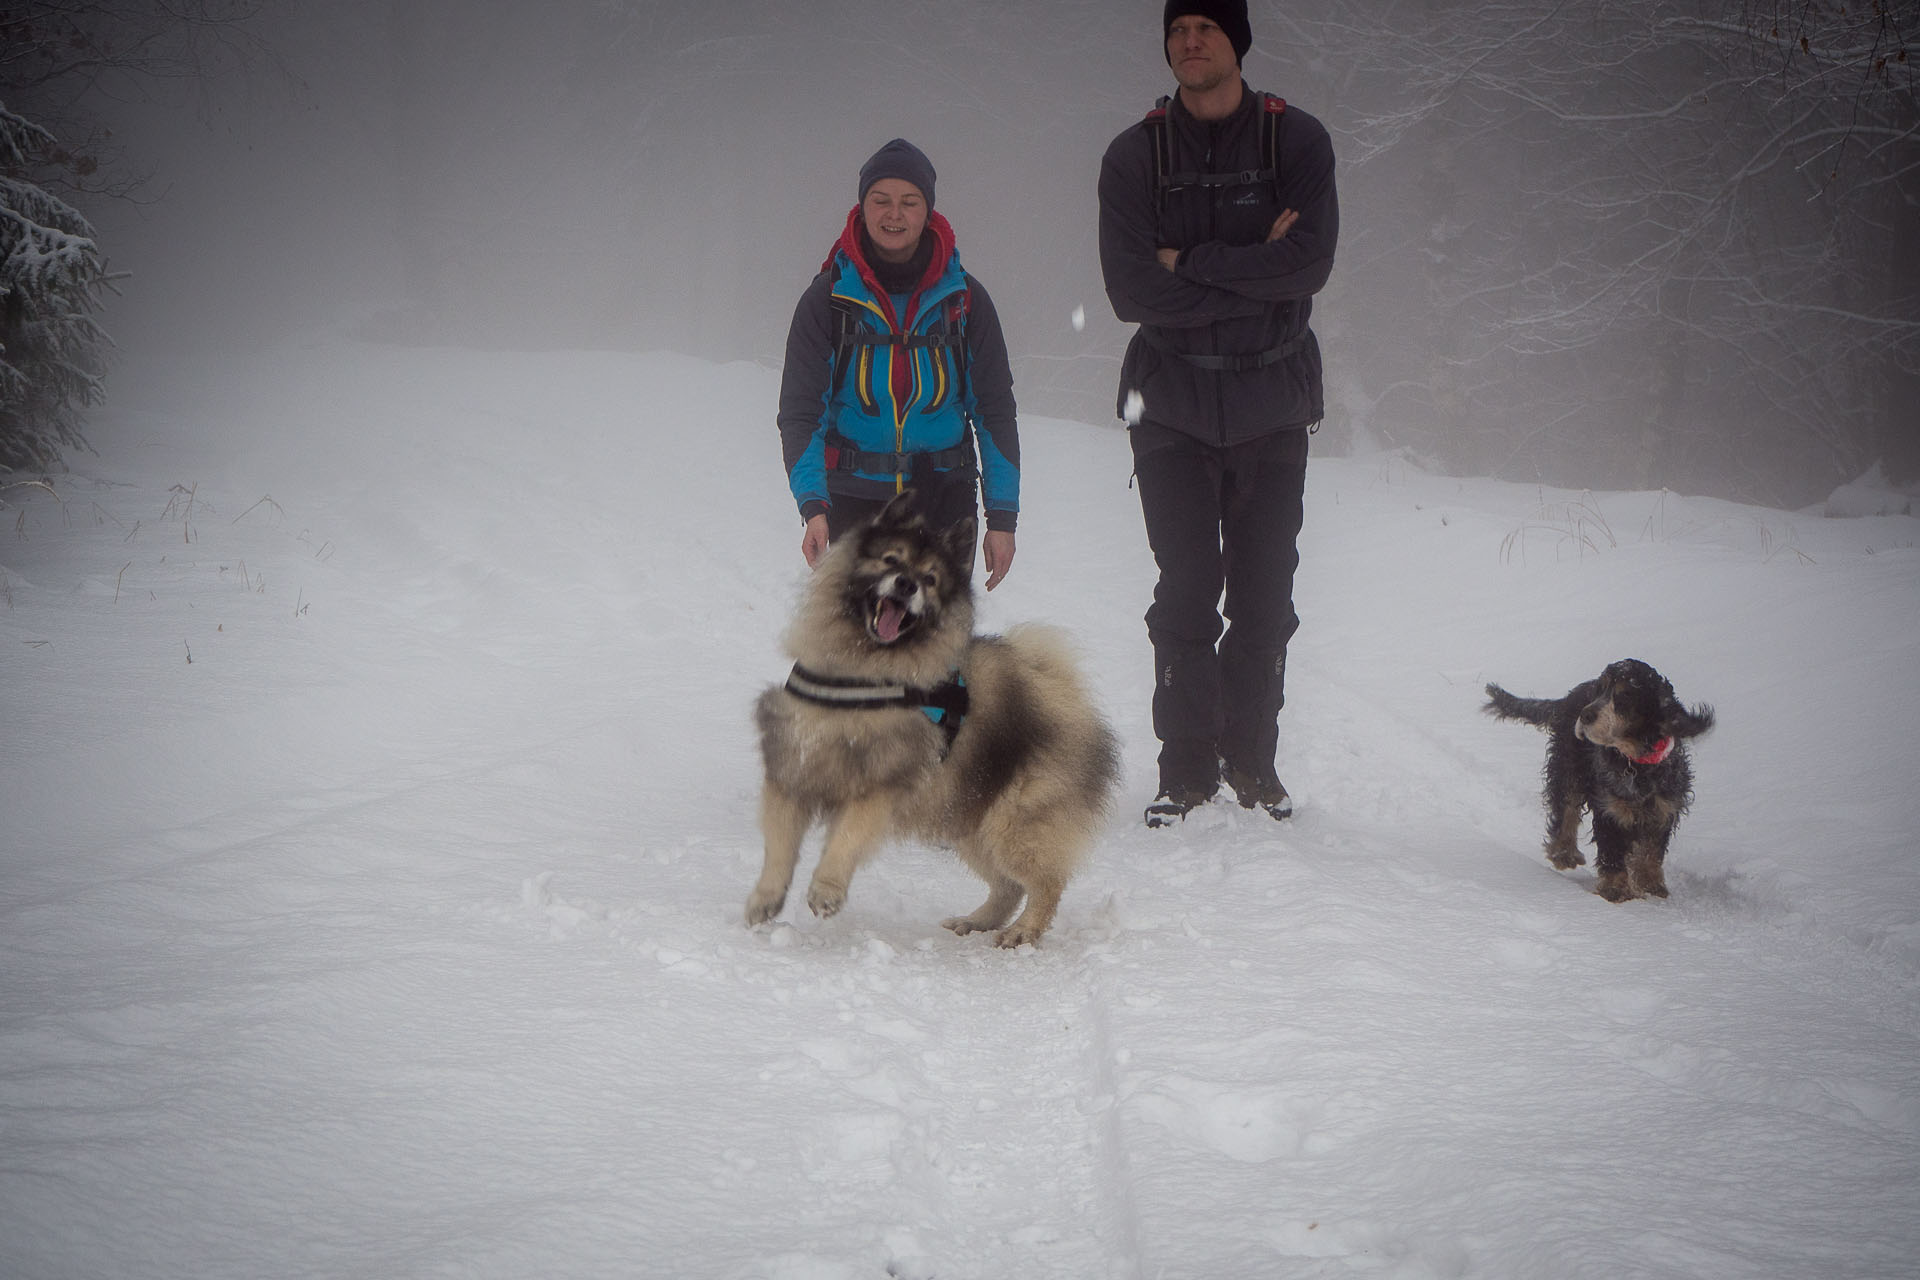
(812, 507)
(1001, 521)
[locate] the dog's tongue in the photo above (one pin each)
(1660, 751)
(887, 619)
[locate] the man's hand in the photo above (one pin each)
(1170, 258)
(997, 548)
(813, 543)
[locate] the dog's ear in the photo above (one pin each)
(902, 511)
(1684, 723)
(956, 544)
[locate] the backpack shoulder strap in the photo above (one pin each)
(1270, 122)
(850, 335)
(1272, 118)
(959, 309)
(846, 327)
(1157, 131)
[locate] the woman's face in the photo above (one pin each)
(895, 213)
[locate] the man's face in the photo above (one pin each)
(1200, 53)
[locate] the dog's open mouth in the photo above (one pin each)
(889, 620)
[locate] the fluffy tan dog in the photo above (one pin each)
(898, 721)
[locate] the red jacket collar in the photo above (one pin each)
(849, 243)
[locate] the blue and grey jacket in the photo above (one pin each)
(879, 387)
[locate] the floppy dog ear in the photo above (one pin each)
(1683, 723)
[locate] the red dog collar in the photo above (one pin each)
(1661, 750)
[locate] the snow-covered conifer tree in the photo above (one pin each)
(51, 274)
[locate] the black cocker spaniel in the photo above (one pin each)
(1616, 748)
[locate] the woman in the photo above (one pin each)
(896, 368)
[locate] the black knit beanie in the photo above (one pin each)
(1231, 15)
(898, 159)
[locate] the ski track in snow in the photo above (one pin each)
(397, 933)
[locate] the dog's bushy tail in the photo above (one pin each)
(1507, 706)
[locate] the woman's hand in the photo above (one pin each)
(997, 548)
(813, 543)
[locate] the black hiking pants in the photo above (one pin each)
(1220, 519)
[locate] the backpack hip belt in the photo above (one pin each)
(843, 455)
(1231, 363)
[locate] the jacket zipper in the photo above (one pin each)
(1213, 233)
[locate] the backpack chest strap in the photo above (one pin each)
(914, 341)
(1166, 178)
(1238, 178)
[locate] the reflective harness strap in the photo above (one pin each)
(945, 704)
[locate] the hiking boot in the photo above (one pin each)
(1173, 804)
(1252, 789)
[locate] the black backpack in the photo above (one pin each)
(1166, 178)
(851, 341)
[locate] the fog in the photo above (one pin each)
(1562, 258)
(479, 174)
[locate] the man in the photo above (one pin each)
(1216, 248)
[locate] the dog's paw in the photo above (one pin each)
(1648, 877)
(1615, 887)
(1018, 935)
(1566, 856)
(826, 899)
(763, 906)
(962, 925)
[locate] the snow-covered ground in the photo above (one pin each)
(377, 809)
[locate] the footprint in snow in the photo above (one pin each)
(1629, 1004)
(1248, 1125)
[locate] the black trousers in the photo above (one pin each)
(1221, 520)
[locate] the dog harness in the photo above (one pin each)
(945, 704)
(1661, 750)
